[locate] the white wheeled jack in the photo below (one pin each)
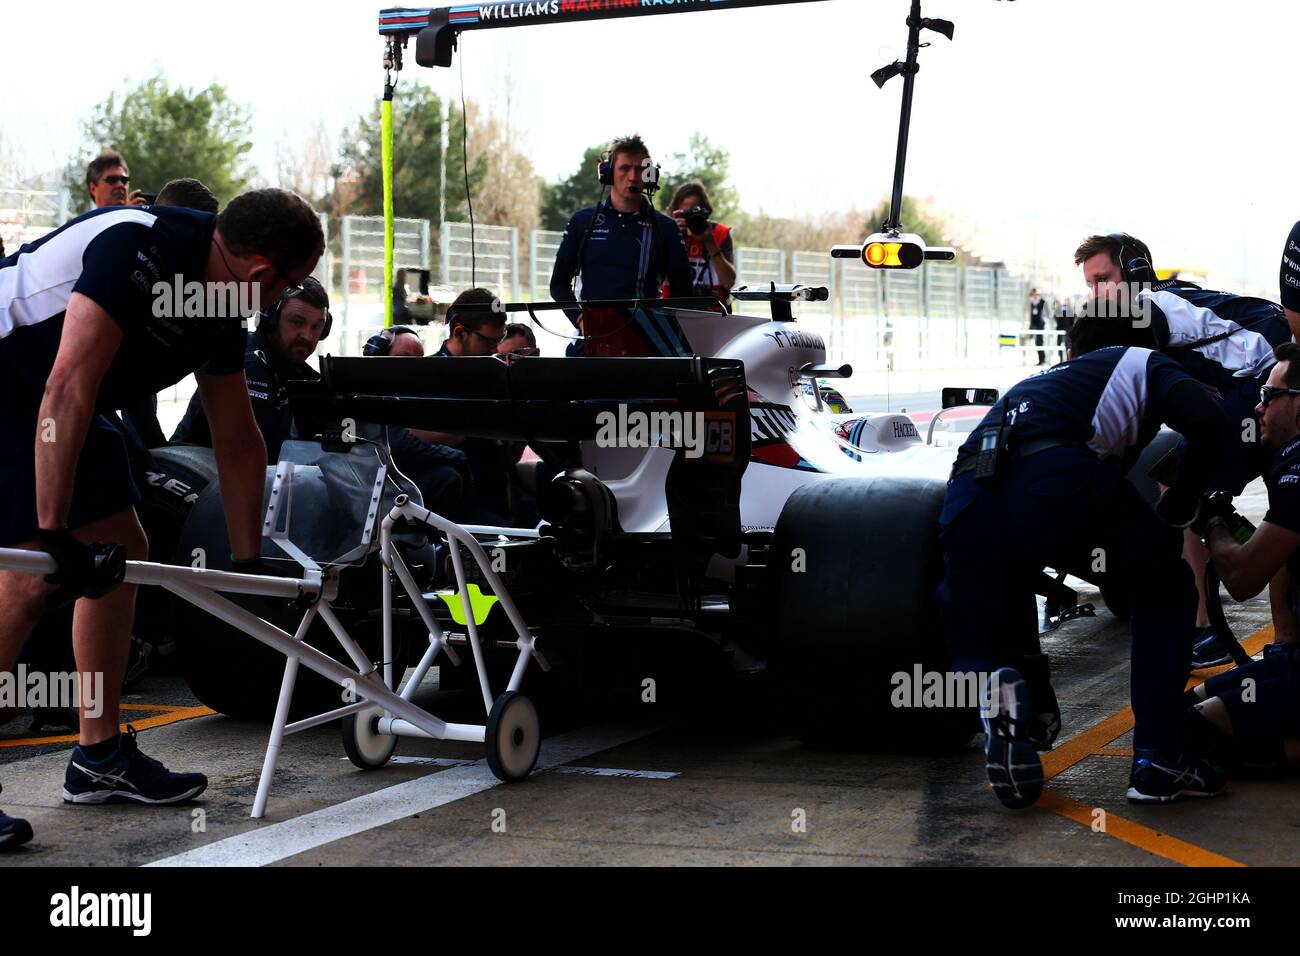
(371, 724)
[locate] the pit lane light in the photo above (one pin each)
(902, 250)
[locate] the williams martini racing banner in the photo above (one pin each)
(472, 16)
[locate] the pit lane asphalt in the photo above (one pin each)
(718, 780)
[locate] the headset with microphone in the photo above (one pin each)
(268, 320)
(649, 176)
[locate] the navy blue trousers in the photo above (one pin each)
(1065, 509)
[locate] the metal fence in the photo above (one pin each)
(759, 266)
(491, 260)
(361, 259)
(28, 214)
(542, 247)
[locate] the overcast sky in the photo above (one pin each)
(1044, 119)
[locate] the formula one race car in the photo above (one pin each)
(769, 541)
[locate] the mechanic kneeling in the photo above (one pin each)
(1251, 714)
(1041, 483)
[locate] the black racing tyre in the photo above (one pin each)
(226, 669)
(856, 563)
(175, 478)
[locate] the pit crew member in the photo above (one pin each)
(623, 249)
(79, 334)
(1258, 722)
(1224, 341)
(1041, 483)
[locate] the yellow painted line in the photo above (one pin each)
(170, 715)
(1094, 742)
(1135, 834)
(1077, 748)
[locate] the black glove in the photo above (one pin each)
(1178, 507)
(1217, 504)
(83, 570)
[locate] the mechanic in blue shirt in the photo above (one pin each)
(1222, 340)
(623, 249)
(84, 330)
(1041, 483)
(1234, 721)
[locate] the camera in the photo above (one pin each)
(697, 219)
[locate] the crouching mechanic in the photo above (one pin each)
(1251, 714)
(1222, 340)
(1042, 483)
(275, 354)
(81, 333)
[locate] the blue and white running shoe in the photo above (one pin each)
(13, 831)
(1157, 779)
(1010, 757)
(127, 775)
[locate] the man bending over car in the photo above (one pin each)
(82, 332)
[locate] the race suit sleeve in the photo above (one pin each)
(119, 270)
(1190, 409)
(226, 354)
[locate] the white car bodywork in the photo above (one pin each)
(793, 437)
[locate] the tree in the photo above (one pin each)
(581, 190)
(511, 192)
(306, 166)
(167, 133)
(707, 164)
(417, 153)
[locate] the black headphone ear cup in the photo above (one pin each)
(329, 324)
(605, 171)
(381, 343)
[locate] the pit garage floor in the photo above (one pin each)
(716, 780)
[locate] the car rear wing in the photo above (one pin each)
(699, 407)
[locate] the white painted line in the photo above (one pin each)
(278, 841)
(625, 774)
